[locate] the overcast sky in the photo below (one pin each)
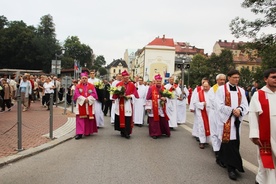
(110, 27)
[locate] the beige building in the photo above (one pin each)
(116, 67)
(157, 57)
(240, 57)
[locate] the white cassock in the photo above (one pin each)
(216, 142)
(224, 111)
(192, 107)
(98, 106)
(198, 107)
(264, 176)
(114, 103)
(181, 107)
(171, 106)
(139, 105)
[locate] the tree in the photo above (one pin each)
(221, 63)
(246, 77)
(76, 50)
(198, 70)
(16, 48)
(3, 22)
(102, 71)
(264, 43)
(99, 61)
(46, 42)
(242, 27)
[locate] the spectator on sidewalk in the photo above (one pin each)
(13, 85)
(48, 89)
(25, 90)
(7, 95)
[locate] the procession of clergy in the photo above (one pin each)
(218, 113)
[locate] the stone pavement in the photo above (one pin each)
(35, 131)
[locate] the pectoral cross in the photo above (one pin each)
(122, 106)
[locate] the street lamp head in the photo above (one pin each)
(62, 51)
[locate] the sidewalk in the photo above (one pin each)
(35, 131)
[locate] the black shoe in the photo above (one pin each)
(256, 182)
(122, 134)
(232, 175)
(154, 137)
(220, 163)
(139, 125)
(78, 136)
(127, 136)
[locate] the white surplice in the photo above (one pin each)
(198, 107)
(224, 111)
(98, 106)
(264, 176)
(216, 142)
(181, 107)
(139, 105)
(114, 103)
(171, 105)
(192, 107)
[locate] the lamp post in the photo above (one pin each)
(58, 55)
(182, 73)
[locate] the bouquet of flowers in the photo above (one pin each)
(165, 93)
(119, 90)
(99, 85)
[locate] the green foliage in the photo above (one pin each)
(246, 78)
(28, 47)
(102, 71)
(99, 61)
(76, 50)
(198, 70)
(220, 64)
(265, 9)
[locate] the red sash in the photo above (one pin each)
(204, 114)
(130, 87)
(227, 125)
(173, 87)
(82, 109)
(122, 112)
(155, 97)
(198, 88)
(264, 131)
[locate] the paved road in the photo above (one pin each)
(109, 158)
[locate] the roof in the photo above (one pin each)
(162, 41)
(116, 62)
(230, 45)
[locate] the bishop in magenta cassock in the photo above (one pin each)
(157, 116)
(85, 96)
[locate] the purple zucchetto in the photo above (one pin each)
(84, 74)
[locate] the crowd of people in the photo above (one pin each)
(218, 110)
(30, 88)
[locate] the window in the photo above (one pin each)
(119, 70)
(114, 70)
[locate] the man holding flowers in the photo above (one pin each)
(123, 93)
(172, 103)
(156, 108)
